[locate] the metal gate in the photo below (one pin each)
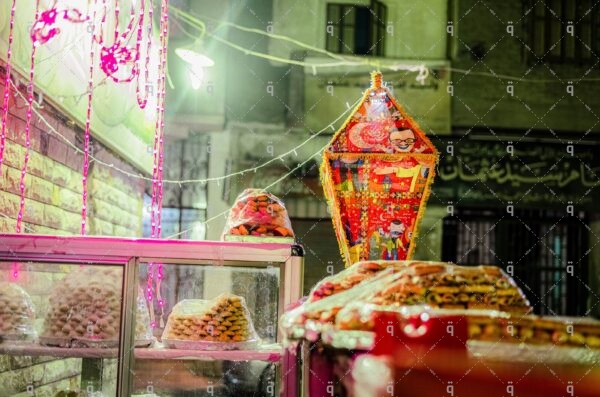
(545, 251)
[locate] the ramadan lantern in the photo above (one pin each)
(377, 172)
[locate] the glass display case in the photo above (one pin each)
(85, 316)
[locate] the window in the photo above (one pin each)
(534, 246)
(356, 30)
(564, 31)
(184, 209)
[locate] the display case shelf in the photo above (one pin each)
(270, 353)
(269, 276)
(35, 350)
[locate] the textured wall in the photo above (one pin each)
(53, 206)
(483, 44)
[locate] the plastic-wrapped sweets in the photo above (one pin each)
(324, 311)
(85, 310)
(17, 314)
(221, 323)
(434, 284)
(453, 287)
(260, 214)
(487, 325)
(354, 275)
(561, 331)
(482, 324)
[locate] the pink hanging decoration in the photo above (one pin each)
(45, 27)
(157, 186)
(16, 265)
(117, 55)
(120, 62)
(143, 100)
(86, 145)
(111, 58)
(28, 125)
(7, 82)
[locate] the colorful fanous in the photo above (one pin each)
(377, 172)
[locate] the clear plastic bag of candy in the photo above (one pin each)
(222, 323)
(257, 213)
(17, 314)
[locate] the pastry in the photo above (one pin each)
(223, 319)
(86, 305)
(453, 287)
(351, 277)
(16, 311)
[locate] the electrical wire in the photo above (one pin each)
(282, 178)
(293, 151)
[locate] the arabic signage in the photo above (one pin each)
(484, 173)
(494, 173)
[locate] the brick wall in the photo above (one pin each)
(53, 206)
(54, 182)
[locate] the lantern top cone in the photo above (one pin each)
(376, 173)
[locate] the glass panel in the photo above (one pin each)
(586, 37)
(348, 41)
(216, 323)
(362, 36)
(570, 43)
(333, 41)
(540, 9)
(59, 328)
(585, 10)
(556, 33)
(571, 14)
(556, 8)
(349, 16)
(333, 13)
(539, 35)
(258, 286)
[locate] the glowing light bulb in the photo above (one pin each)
(196, 63)
(196, 76)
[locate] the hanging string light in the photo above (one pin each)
(30, 93)
(117, 55)
(45, 27)
(163, 87)
(88, 119)
(155, 274)
(30, 86)
(143, 99)
(7, 81)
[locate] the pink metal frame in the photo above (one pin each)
(128, 253)
(120, 250)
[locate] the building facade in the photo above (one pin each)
(519, 177)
